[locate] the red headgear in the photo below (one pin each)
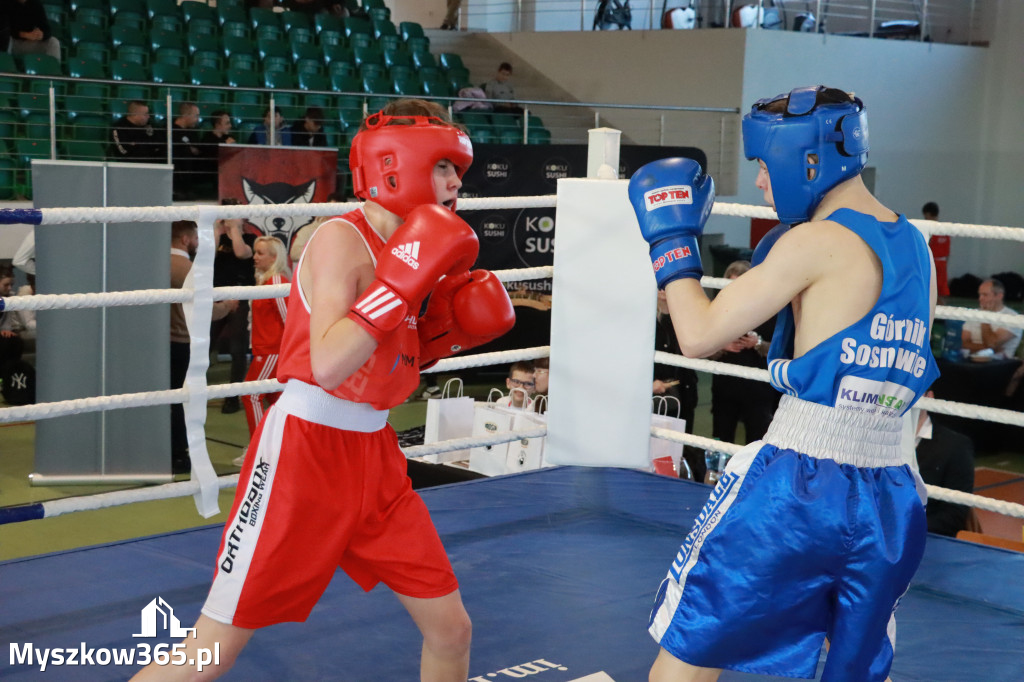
(393, 164)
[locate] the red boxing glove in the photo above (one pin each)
(431, 242)
(465, 311)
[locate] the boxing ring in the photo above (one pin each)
(558, 567)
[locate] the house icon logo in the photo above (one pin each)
(158, 616)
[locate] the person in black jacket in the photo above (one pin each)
(677, 382)
(945, 459)
(133, 139)
(29, 28)
(309, 131)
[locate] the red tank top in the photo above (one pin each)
(268, 316)
(391, 373)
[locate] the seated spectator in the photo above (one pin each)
(979, 336)
(12, 345)
(501, 87)
(520, 384)
(734, 399)
(133, 139)
(309, 132)
(261, 134)
(25, 257)
(186, 151)
(945, 459)
(30, 29)
(540, 377)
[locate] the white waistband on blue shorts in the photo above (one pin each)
(316, 405)
(846, 436)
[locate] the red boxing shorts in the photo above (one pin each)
(320, 491)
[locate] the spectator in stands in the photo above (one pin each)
(261, 133)
(184, 242)
(981, 336)
(133, 138)
(25, 257)
(939, 244)
(232, 267)
(30, 29)
(451, 16)
(945, 459)
(209, 148)
(734, 399)
(309, 132)
(501, 87)
(520, 384)
(186, 151)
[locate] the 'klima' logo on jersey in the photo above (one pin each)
(408, 253)
(668, 196)
(381, 301)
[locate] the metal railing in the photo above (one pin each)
(52, 121)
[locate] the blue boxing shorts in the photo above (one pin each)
(813, 532)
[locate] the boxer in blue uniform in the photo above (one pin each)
(815, 531)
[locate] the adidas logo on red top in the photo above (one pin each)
(408, 254)
(667, 196)
(379, 302)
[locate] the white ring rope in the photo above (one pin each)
(955, 496)
(205, 214)
(184, 488)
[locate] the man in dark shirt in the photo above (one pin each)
(29, 28)
(309, 132)
(133, 138)
(186, 151)
(945, 459)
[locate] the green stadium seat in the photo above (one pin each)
(423, 60)
(342, 68)
(190, 9)
(169, 73)
(471, 118)
(280, 80)
(8, 177)
(78, 31)
(135, 54)
(313, 81)
(134, 21)
(377, 84)
(421, 44)
(76, 5)
(243, 61)
(301, 35)
(203, 27)
(83, 68)
(8, 130)
(339, 53)
(231, 14)
(341, 82)
(410, 29)
(368, 55)
(233, 45)
(207, 60)
(137, 6)
(269, 32)
(328, 22)
(170, 55)
(307, 51)
(96, 16)
(40, 65)
(397, 58)
(261, 16)
(375, 104)
(126, 35)
(450, 60)
(37, 126)
(372, 71)
(201, 75)
(236, 29)
(481, 135)
(277, 64)
(167, 22)
(357, 25)
(511, 136)
(273, 48)
(399, 72)
(538, 136)
(309, 66)
(85, 150)
(380, 14)
(459, 79)
(88, 127)
(158, 39)
(202, 42)
(383, 28)
(209, 100)
(243, 77)
(98, 91)
(157, 8)
(408, 85)
(290, 20)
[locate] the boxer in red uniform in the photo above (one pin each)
(268, 317)
(324, 483)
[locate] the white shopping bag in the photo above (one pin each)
(489, 419)
(525, 454)
(667, 456)
(448, 417)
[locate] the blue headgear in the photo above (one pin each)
(836, 133)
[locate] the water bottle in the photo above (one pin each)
(953, 341)
(715, 461)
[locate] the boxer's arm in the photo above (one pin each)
(332, 277)
(703, 326)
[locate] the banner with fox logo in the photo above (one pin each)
(258, 174)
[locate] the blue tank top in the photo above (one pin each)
(882, 363)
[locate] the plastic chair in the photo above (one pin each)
(85, 150)
(423, 59)
(314, 81)
(242, 61)
(290, 20)
(167, 22)
(341, 82)
(90, 128)
(279, 80)
(201, 75)
(269, 32)
(538, 136)
(157, 8)
(169, 73)
(368, 55)
(233, 45)
(236, 29)
(159, 39)
(41, 65)
(315, 66)
(397, 58)
(410, 29)
(328, 22)
(209, 100)
(331, 38)
(203, 27)
(128, 71)
(8, 177)
(202, 42)
(383, 28)
(377, 84)
(170, 55)
(357, 25)
(126, 35)
(407, 85)
(197, 10)
(340, 54)
(277, 65)
(260, 16)
(92, 33)
(450, 60)
(307, 51)
(242, 78)
(82, 68)
(273, 48)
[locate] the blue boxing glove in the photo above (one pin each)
(672, 199)
(767, 242)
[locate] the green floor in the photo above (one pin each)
(227, 437)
